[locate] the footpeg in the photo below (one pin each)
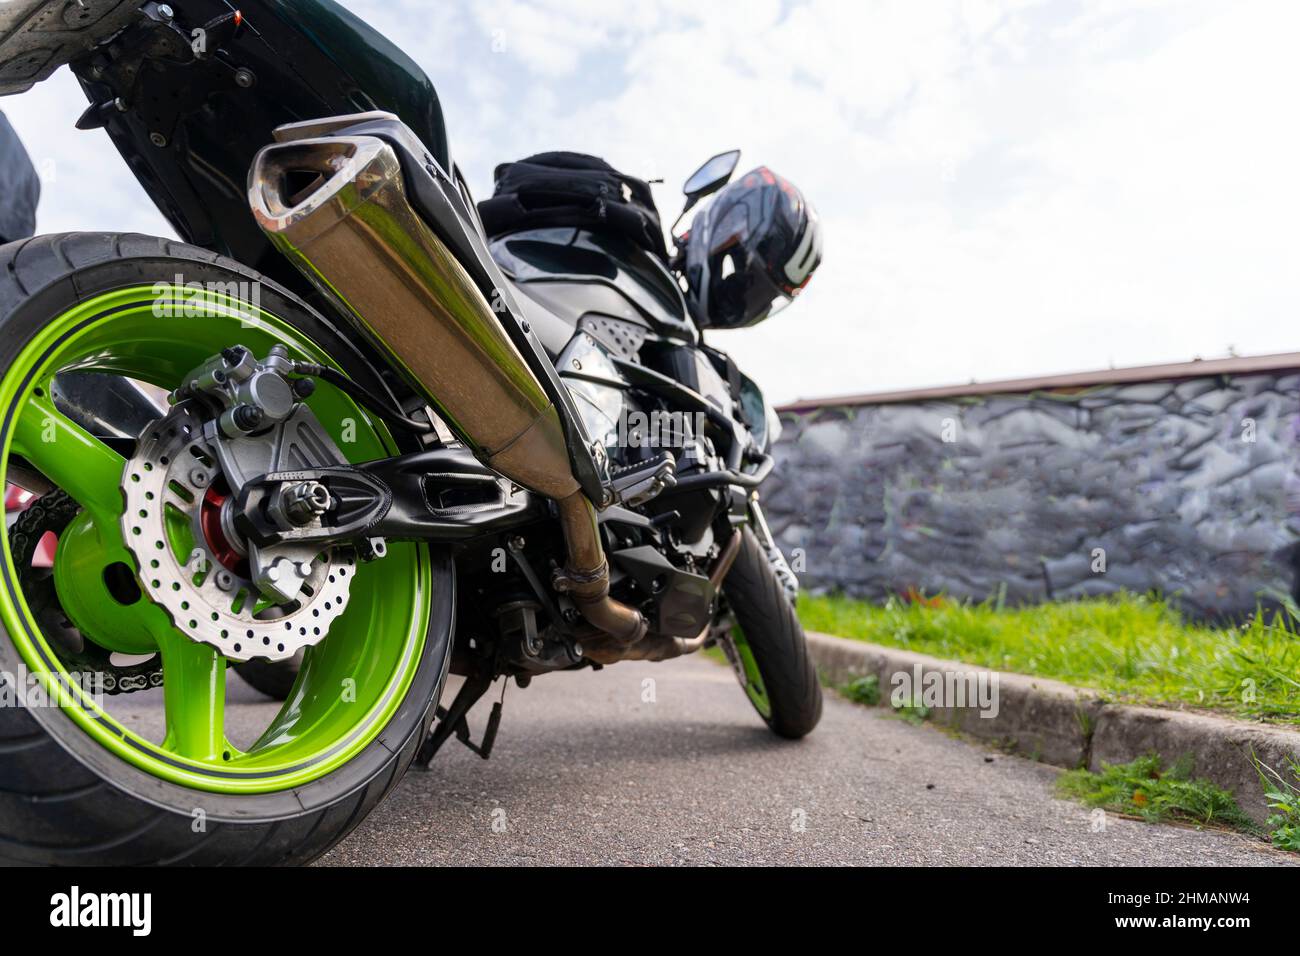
(637, 484)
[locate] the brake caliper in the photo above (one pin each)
(233, 420)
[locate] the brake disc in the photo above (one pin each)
(217, 589)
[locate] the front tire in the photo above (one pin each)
(78, 787)
(767, 646)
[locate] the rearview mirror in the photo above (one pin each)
(712, 176)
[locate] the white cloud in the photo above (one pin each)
(1008, 188)
(85, 186)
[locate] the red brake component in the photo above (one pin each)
(214, 535)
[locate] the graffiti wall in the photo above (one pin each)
(1187, 485)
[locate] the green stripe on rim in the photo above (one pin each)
(350, 685)
(751, 679)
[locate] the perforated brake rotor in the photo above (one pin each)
(207, 593)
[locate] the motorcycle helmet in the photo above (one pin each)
(751, 251)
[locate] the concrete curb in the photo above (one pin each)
(1069, 726)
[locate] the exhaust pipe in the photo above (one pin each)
(337, 208)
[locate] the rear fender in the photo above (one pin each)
(39, 36)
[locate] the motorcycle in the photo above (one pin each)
(339, 438)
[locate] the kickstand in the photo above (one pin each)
(452, 720)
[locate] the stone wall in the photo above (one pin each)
(1179, 486)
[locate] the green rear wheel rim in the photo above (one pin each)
(351, 684)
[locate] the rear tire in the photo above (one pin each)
(65, 798)
(788, 696)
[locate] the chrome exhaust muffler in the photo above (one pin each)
(337, 208)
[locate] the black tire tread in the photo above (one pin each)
(772, 629)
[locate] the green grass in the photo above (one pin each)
(863, 690)
(866, 691)
(1143, 789)
(1130, 648)
(1284, 797)
(914, 713)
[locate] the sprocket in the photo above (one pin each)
(51, 514)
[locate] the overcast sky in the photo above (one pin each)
(1007, 188)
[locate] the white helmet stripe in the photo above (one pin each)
(803, 262)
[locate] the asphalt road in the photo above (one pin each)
(604, 768)
(593, 768)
